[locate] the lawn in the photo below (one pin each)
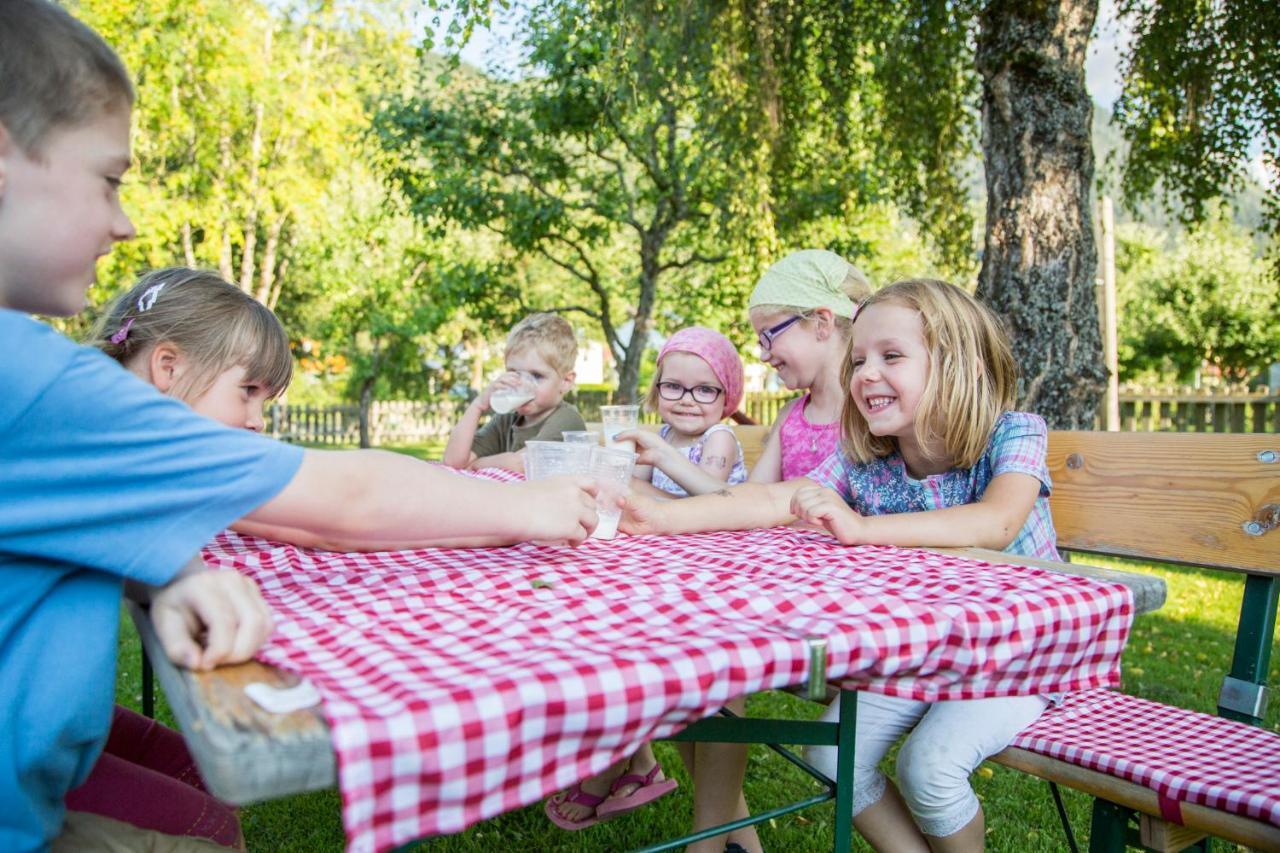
(1175, 655)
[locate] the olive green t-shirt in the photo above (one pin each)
(502, 433)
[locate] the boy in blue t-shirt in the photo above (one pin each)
(104, 480)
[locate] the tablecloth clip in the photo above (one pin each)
(283, 700)
(816, 686)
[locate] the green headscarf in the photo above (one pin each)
(807, 279)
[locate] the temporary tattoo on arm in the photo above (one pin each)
(715, 462)
(724, 493)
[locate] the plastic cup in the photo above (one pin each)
(544, 459)
(616, 419)
(581, 436)
(508, 398)
(611, 468)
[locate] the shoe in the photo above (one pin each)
(734, 847)
(578, 797)
(650, 789)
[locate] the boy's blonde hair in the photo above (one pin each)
(55, 72)
(214, 323)
(550, 336)
(972, 376)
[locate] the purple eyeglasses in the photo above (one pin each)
(769, 335)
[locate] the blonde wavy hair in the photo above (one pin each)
(214, 323)
(550, 336)
(972, 376)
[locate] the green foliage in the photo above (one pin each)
(1201, 299)
(1200, 93)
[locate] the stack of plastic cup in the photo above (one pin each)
(618, 419)
(581, 436)
(544, 459)
(612, 469)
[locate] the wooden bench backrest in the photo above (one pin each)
(752, 438)
(1173, 497)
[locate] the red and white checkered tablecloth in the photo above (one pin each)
(460, 684)
(1184, 756)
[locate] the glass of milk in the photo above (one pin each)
(616, 419)
(611, 468)
(516, 390)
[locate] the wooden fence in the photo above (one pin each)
(402, 421)
(390, 422)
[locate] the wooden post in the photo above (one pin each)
(1109, 347)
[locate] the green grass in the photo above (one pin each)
(1176, 655)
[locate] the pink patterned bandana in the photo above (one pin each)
(718, 352)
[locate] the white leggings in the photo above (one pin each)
(949, 741)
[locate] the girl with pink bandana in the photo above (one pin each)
(697, 384)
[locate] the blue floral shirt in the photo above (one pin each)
(883, 486)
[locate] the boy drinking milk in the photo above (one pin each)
(103, 479)
(527, 401)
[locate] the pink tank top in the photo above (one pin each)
(804, 444)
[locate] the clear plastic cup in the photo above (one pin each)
(544, 459)
(508, 398)
(581, 436)
(616, 419)
(612, 469)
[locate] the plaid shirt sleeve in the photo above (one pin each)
(836, 473)
(1019, 445)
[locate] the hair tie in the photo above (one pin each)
(118, 337)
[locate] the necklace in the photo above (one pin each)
(813, 444)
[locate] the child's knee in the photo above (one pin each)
(933, 775)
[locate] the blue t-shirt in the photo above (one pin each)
(101, 479)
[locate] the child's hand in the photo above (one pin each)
(643, 515)
(561, 509)
(509, 380)
(210, 618)
(821, 507)
(651, 448)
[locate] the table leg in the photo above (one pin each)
(844, 770)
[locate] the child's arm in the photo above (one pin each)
(457, 453)
(718, 458)
(511, 461)
(992, 522)
(741, 507)
(768, 468)
(371, 499)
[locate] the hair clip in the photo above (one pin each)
(149, 296)
(118, 337)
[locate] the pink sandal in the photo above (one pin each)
(649, 790)
(578, 797)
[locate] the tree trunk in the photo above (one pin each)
(629, 373)
(1040, 260)
(366, 405)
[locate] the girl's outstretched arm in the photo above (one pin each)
(372, 499)
(718, 458)
(992, 522)
(741, 507)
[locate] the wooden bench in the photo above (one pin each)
(1208, 500)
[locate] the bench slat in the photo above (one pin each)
(1171, 497)
(1241, 830)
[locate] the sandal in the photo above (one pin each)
(578, 797)
(650, 789)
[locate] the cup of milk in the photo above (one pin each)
(616, 419)
(611, 468)
(509, 397)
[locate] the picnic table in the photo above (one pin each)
(460, 684)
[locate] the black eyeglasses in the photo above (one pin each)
(701, 393)
(769, 335)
